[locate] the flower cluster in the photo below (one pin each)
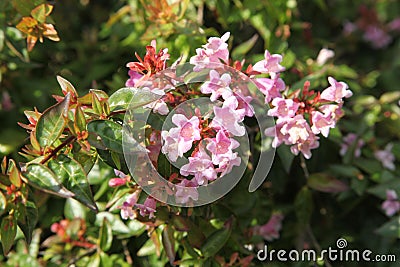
(207, 142)
(392, 204)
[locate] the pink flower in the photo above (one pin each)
(201, 166)
(170, 144)
(186, 190)
(6, 103)
(391, 206)
(336, 92)
(270, 230)
(244, 103)
(394, 25)
(127, 206)
(228, 117)
(115, 182)
(179, 140)
(212, 53)
(134, 77)
(226, 164)
(269, 64)
(348, 140)
(158, 106)
(305, 146)
(221, 147)
(271, 88)
(148, 208)
(377, 37)
(296, 130)
(283, 108)
(321, 123)
(217, 86)
(349, 28)
(386, 157)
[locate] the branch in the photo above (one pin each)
(55, 151)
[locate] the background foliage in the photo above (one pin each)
(97, 39)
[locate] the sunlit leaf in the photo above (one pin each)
(52, 123)
(73, 177)
(41, 12)
(105, 133)
(44, 179)
(106, 237)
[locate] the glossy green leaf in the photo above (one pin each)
(326, 183)
(106, 237)
(8, 232)
(215, 242)
(130, 98)
(105, 134)
(168, 242)
(44, 179)
(389, 97)
(52, 122)
(73, 177)
(391, 228)
(29, 220)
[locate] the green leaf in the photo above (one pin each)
(389, 97)
(391, 228)
(24, 7)
(44, 179)
(73, 177)
(244, 47)
(79, 119)
(66, 86)
(107, 158)
(8, 232)
(215, 242)
(130, 98)
(105, 134)
(52, 122)
(41, 12)
(106, 237)
(13, 173)
(326, 183)
(304, 205)
(147, 249)
(28, 223)
(3, 203)
(168, 241)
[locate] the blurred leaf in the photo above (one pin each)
(73, 177)
(74, 209)
(304, 205)
(168, 242)
(244, 48)
(147, 249)
(391, 228)
(106, 237)
(52, 122)
(28, 223)
(389, 97)
(326, 183)
(368, 165)
(215, 242)
(41, 12)
(44, 179)
(8, 233)
(24, 7)
(105, 133)
(380, 190)
(3, 203)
